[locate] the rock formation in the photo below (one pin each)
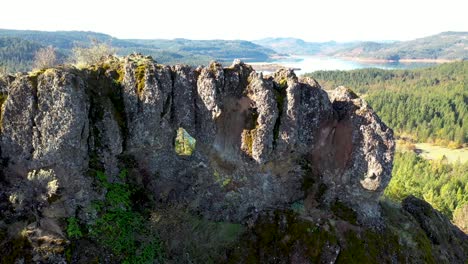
(262, 143)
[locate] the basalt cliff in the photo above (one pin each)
(220, 164)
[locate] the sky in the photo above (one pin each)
(325, 20)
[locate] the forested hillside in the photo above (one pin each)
(296, 46)
(441, 184)
(429, 104)
(17, 48)
(446, 45)
(16, 54)
(425, 105)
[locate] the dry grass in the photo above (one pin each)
(433, 152)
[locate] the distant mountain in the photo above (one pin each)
(295, 46)
(59, 39)
(443, 46)
(204, 50)
(17, 48)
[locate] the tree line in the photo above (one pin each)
(440, 183)
(431, 104)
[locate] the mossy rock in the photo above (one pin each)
(16, 250)
(140, 77)
(343, 212)
(34, 78)
(279, 236)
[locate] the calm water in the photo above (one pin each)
(314, 63)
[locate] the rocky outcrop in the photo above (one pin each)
(262, 143)
(450, 244)
(412, 233)
(259, 140)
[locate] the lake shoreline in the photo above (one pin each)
(375, 60)
(302, 64)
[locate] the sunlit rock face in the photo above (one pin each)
(226, 142)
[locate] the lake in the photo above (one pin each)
(314, 63)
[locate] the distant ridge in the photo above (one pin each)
(448, 45)
(295, 46)
(17, 48)
(444, 46)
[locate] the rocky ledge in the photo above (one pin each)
(226, 144)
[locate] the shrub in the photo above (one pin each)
(83, 56)
(45, 58)
(73, 228)
(122, 229)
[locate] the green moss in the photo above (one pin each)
(367, 246)
(343, 212)
(105, 66)
(3, 98)
(33, 78)
(250, 131)
(277, 236)
(226, 182)
(408, 232)
(222, 181)
(355, 250)
(120, 228)
(73, 228)
(140, 77)
(248, 138)
(283, 83)
(68, 254)
(424, 246)
(120, 75)
(192, 238)
(15, 249)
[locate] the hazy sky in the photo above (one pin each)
(242, 19)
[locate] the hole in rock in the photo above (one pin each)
(184, 143)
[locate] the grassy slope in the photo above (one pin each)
(432, 152)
